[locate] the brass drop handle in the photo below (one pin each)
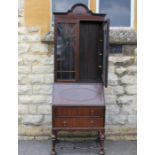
(100, 54)
(99, 66)
(92, 122)
(100, 40)
(65, 123)
(92, 112)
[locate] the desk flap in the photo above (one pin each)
(78, 94)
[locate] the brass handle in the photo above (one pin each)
(99, 66)
(100, 53)
(92, 112)
(100, 40)
(65, 123)
(92, 122)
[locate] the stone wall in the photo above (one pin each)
(36, 79)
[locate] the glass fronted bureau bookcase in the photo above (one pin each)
(81, 72)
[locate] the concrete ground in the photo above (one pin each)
(77, 148)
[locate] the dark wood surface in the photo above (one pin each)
(78, 122)
(81, 56)
(78, 111)
(87, 34)
(89, 51)
(78, 94)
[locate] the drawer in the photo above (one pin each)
(78, 111)
(78, 122)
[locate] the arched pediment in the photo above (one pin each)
(79, 9)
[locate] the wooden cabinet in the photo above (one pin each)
(81, 72)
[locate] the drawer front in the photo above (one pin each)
(78, 122)
(78, 111)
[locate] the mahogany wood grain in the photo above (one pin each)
(78, 122)
(78, 99)
(78, 111)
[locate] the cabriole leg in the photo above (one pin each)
(101, 141)
(54, 140)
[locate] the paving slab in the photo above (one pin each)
(77, 148)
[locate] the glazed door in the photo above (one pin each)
(66, 51)
(105, 52)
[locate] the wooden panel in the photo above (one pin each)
(106, 52)
(78, 94)
(89, 49)
(78, 122)
(78, 111)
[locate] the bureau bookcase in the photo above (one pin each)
(81, 72)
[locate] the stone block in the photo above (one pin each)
(131, 89)
(111, 68)
(33, 59)
(47, 60)
(42, 89)
(49, 37)
(42, 69)
(112, 109)
(25, 99)
(24, 89)
(23, 79)
(121, 60)
(47, 119)
(123, 36)
(36, 79)
(30, 59)
(32, 29)
(129, 79)
(36, 99)
(119, 119)
(129, 109)
(128, 49)
(22, 109)
(32, 109)
(25, 130)
(44, 109)
(20, 21)
(20, 61)
(132, 119)
(116, 119)
(46, 99)
(24, 69)
(22, 30)
(119, 90)
(31, 119)
(112, 79)
(49, 78)
(121, 70)
(121, 132)
(132, 69)
(29, 38)
(114, 90)
(23, 48)
(126, 99)
(39, 48)
(110, 99)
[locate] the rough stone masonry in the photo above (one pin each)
(36, 79)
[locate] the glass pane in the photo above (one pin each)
(66, 45)
(65, 75)
(118, 11)
(64, 5)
